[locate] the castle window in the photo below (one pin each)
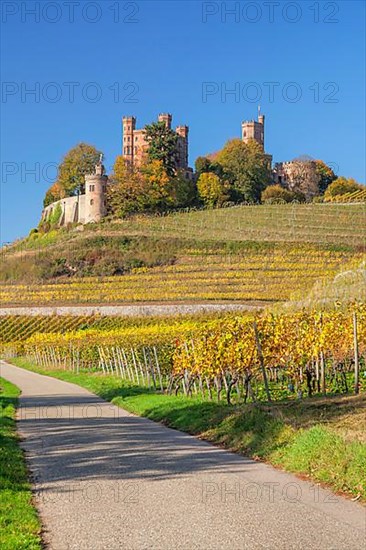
(245, 134)
(128, 139)
(91, 188)
(136, 138)
(91, 202)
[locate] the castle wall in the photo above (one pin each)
(73, 210)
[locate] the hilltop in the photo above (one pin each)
(265, 253)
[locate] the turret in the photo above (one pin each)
(95, 189)
(166, 118)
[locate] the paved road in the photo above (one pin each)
(105, 479)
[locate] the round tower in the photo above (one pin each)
(95, 190)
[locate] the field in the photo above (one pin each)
(252, 254)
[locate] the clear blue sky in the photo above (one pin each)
(169, 50)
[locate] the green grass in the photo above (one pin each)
(322, 438)
(19, 524)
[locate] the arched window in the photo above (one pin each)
(91, 202)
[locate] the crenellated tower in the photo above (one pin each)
(252, 129)
(128, 145)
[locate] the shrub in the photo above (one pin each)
(274, 194)
(341, 186)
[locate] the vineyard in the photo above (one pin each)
(246, 357)
(255, 272)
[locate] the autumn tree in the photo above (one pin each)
(246, 167)
(341, 186)
(326, 175)
(211, 190)
(160, 192)
(53, 194)
(162, 146)
(126, 192)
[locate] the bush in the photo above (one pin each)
(341, 186)
(275, 194)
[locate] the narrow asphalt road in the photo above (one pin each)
(105, 479)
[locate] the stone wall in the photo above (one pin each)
(73, 210)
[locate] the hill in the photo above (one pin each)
(247, 254)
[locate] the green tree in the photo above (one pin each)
(202, 164)
(246, 167)
(185, 190)
(211, 190)
(341, 186)
(80, 160)
(326, 175)
(162, 146)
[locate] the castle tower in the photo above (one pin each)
(182, 146)
(251, 129)
(95, 189)
(166, 118)
(128, 126)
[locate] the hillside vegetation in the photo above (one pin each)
(265, 253)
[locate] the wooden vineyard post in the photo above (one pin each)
(322, 372)
(355, 345)
(261, 360)
(135, 365)
(322, 363)
(158, 369)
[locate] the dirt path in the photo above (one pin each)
(126, 310)
(105, 479)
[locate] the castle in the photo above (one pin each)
(90, 207)
(134, 144)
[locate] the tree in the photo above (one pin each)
(341, 186)
(277, 194)
(326, 175)
(162, 146)
(185, 190)
(202, 165)
(211, 190)
(127, 189)
(159, 186)
(303, 177)
(53, 194)
(246, 167)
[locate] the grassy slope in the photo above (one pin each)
(322, 438)
(19, 525)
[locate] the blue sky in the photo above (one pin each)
(92, 62)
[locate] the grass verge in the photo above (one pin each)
(19, 524)
(322, 438)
